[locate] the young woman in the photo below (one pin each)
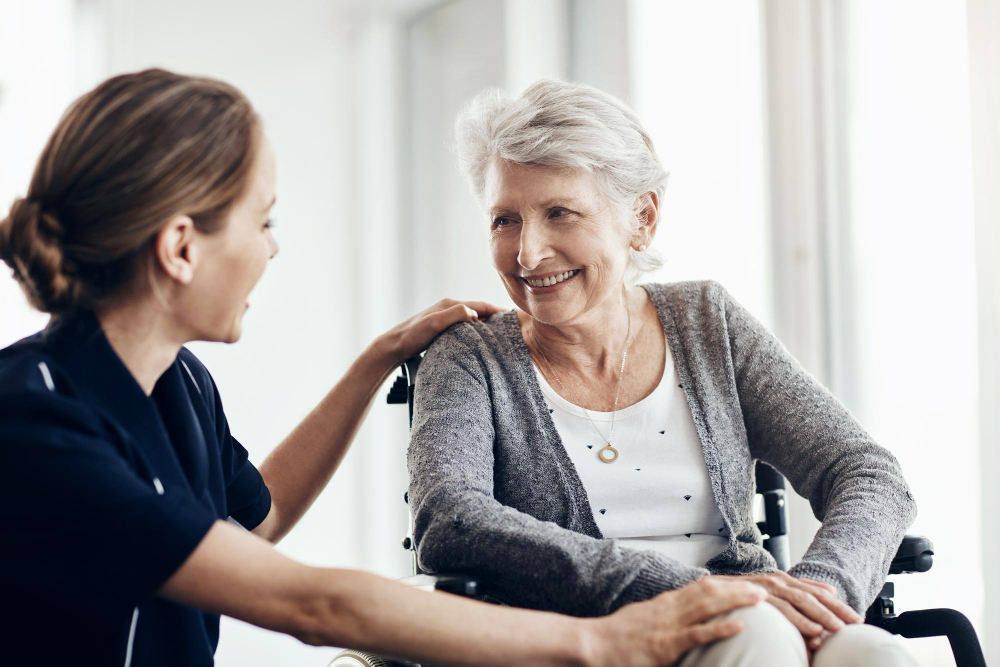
(145, 226)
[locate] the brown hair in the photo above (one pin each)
(126, 157)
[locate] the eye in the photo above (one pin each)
(270, 223)
(502, 221)
(558, 213)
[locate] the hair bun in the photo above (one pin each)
(31, 244)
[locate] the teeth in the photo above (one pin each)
(546, 282)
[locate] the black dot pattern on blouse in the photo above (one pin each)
(686, 497)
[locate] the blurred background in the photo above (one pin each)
(835, 164)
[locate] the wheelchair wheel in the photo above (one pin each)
(357, 659)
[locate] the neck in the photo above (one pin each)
(592, 343)
(143, 337)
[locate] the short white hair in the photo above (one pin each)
(569, 126)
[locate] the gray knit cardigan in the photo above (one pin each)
(494, 493)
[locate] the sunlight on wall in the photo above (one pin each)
(914, 264)
(696, 85)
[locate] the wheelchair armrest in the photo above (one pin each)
(457, 584)
(915, 554)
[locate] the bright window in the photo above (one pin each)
(913, 266)
(696, 85)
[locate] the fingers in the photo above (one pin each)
(821, 584)
(710, 596)
(827, 595)
(807, 627)
(815, 608)
(705, 633)
(814, 643)
(808, 604)
(459, 312)
(484, 309)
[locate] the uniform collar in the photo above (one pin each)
(169, 428)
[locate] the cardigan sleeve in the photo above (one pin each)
(459, 526)
(855, 487)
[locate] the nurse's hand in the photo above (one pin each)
(415, 334)
(661, 630)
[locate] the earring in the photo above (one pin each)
(642, 247)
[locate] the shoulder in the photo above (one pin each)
(197, 372)
(477, 337)
(477, 347)
(690, 294)
(694, 303)
(26, 366)
(36, 393)
(192, 366)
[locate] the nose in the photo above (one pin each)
(274, 248)
(535, 245)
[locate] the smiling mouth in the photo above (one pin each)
(548, 281)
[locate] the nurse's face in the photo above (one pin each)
(233, 260)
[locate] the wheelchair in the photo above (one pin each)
(915, 554)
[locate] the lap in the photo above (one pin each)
(768, 638)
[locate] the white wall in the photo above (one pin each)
(983, 18)
(28, 112)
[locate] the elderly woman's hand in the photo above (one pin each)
(812, 606)
(415, 334)
(661, 630)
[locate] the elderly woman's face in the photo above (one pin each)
(555, 241)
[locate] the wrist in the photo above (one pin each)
(594, 645)
(382, 355)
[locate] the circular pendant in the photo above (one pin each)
(607, 454)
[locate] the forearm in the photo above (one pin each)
(367, 612)
(242, 576)
(301, 466)
(544, 566)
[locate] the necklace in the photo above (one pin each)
(607, 453)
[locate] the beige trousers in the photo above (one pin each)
(768, 639)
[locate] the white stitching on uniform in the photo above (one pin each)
(131, 637)
(191, 375)
(46, 375)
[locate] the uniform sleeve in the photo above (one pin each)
(855, 487)
(83, 525)
(248, 499)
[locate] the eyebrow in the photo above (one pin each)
(567, 202)
(271, 205)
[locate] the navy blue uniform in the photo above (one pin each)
(106, 491)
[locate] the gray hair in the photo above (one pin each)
(569, 126)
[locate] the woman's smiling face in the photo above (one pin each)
(554, 240)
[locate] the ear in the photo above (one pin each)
(175, 250)
(648, 219)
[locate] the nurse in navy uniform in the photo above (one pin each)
(133, 516)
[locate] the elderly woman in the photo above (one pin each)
(596, 445)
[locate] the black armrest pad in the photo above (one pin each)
(915, 554)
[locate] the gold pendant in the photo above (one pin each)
(607, 454)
